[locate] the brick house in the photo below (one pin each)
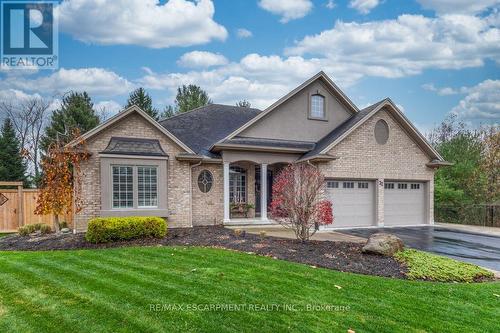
(215, 164)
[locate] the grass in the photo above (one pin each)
(3, 234)
(428, 266)
(113, 290)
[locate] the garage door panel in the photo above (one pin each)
(404, 203)
(352, 207)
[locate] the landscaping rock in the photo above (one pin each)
(385, 244)
(65, 230)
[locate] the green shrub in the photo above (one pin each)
(63, 224)
(31, 228)
(427, 266)
(108, 229)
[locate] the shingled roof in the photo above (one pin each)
(200, 128)
(134, 146)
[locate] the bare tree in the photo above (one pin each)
(29, 118)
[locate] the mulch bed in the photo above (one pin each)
(341, 256)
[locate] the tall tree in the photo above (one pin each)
(75, 114)
(12, 165)
(168, 112)
(29, 118)
(191, 97)
(243, 103)
(142, 99)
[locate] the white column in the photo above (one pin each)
(226, 192)
(263, 192)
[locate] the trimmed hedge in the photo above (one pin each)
(108, 229)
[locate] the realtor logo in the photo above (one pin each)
(29, 34)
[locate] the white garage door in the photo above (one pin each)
(353, 202)
(404, 203)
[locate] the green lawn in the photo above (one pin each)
(111, 290)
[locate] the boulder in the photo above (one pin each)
(65, 230)
(385, 244)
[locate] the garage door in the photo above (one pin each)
(353, 202)
(404, 203)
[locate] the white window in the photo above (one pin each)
(147, 187)
(363, 185)
(332, 184)
(389, 186)
(237, 185)
(317, 107)
(123, 191)
(348, 184)
(402, 186)
(415, 186)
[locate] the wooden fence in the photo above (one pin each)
(19, 209)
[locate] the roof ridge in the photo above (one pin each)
(205, 106)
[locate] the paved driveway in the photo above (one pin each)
(479, 249)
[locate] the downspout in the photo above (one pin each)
(191, 167)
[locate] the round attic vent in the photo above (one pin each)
(381, 132)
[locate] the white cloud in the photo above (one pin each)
(445, 91)
(201, 59)
(287, 9)
(259, 79)
(109, 106)
(364, 6)
(243, 33)
(406, 45)
(140, 22)
(482, 103)
(458, 6)
(11, 95)
(95, 81)
(330, 4)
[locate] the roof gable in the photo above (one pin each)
(121, 115)
(321, 76)
(341, 132)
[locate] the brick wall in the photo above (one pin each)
(208, 208)
(178, 187)
(360, 156)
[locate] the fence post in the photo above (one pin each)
(20, 205)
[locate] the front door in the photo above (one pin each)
(258, 206)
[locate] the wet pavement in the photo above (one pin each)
(479, 249)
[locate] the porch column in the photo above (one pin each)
(226, 191)
(263, 192)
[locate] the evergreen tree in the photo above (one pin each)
(76, 113)
(142, 99)
(12, 165)
(191, 97)
(168, 112)
(243, 103)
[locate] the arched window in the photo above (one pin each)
(205, 181)
(237, 184)
(317, 106)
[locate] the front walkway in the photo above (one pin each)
(279, 231)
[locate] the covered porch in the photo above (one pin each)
(247, 182)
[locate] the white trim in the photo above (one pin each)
(387, 102)
(263, 192)
(226, 192)
(122, 115)
(321, 74)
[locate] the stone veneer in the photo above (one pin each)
(178, 185)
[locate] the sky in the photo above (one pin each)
(431, 57)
